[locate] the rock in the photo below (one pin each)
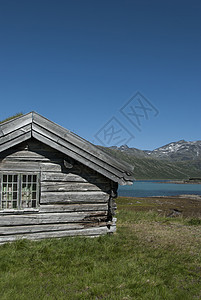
(175, 213)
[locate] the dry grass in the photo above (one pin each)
(188, 205)
(173, 235)
(173, 232)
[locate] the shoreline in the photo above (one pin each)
(182, 196)
(183, 182)
(176, 181)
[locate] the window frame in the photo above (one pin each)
(20, 182)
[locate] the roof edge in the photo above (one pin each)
(87, 153)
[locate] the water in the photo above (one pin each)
(148, 188)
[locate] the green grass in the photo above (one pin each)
(150, 257)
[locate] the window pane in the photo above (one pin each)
(23, 193)
(3, 205)
(34, 178)
(9, 205)
(14, 204)
(4, 178)
(15, 178)
(4, 192)
(15, 196)
(9, 178)
(24, 196)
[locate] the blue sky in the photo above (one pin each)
(82, 64)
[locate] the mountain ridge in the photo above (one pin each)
(177, 151)
(175, 160)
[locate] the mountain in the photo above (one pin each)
(178, 151)
(131, 151)
(176, 160)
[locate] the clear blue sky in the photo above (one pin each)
(78, 63)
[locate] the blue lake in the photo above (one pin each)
(148, 188)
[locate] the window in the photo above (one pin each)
(19, 191)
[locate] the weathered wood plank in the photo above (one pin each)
(32, 149)
(36, 147)
(28, 159)
(73, 207)
(13, 135)
(13, 211)
(6, 230)
(95, 231)
(50, 218)
(13, 125)
(15, 154)
(72, 186)
(68, 177)
(72, 197)
(15, 141)
(50, 167)
(19, 166)
(55, 208)
(8, 165)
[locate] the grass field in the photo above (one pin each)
(150, 257)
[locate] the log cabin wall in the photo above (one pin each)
(72, 199)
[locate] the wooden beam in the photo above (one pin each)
(73, 186)
(15, 141)
(95, 231)
(50, 218)
(73, 197)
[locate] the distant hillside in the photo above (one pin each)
(179, 160)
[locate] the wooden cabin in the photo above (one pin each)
(54, 183)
